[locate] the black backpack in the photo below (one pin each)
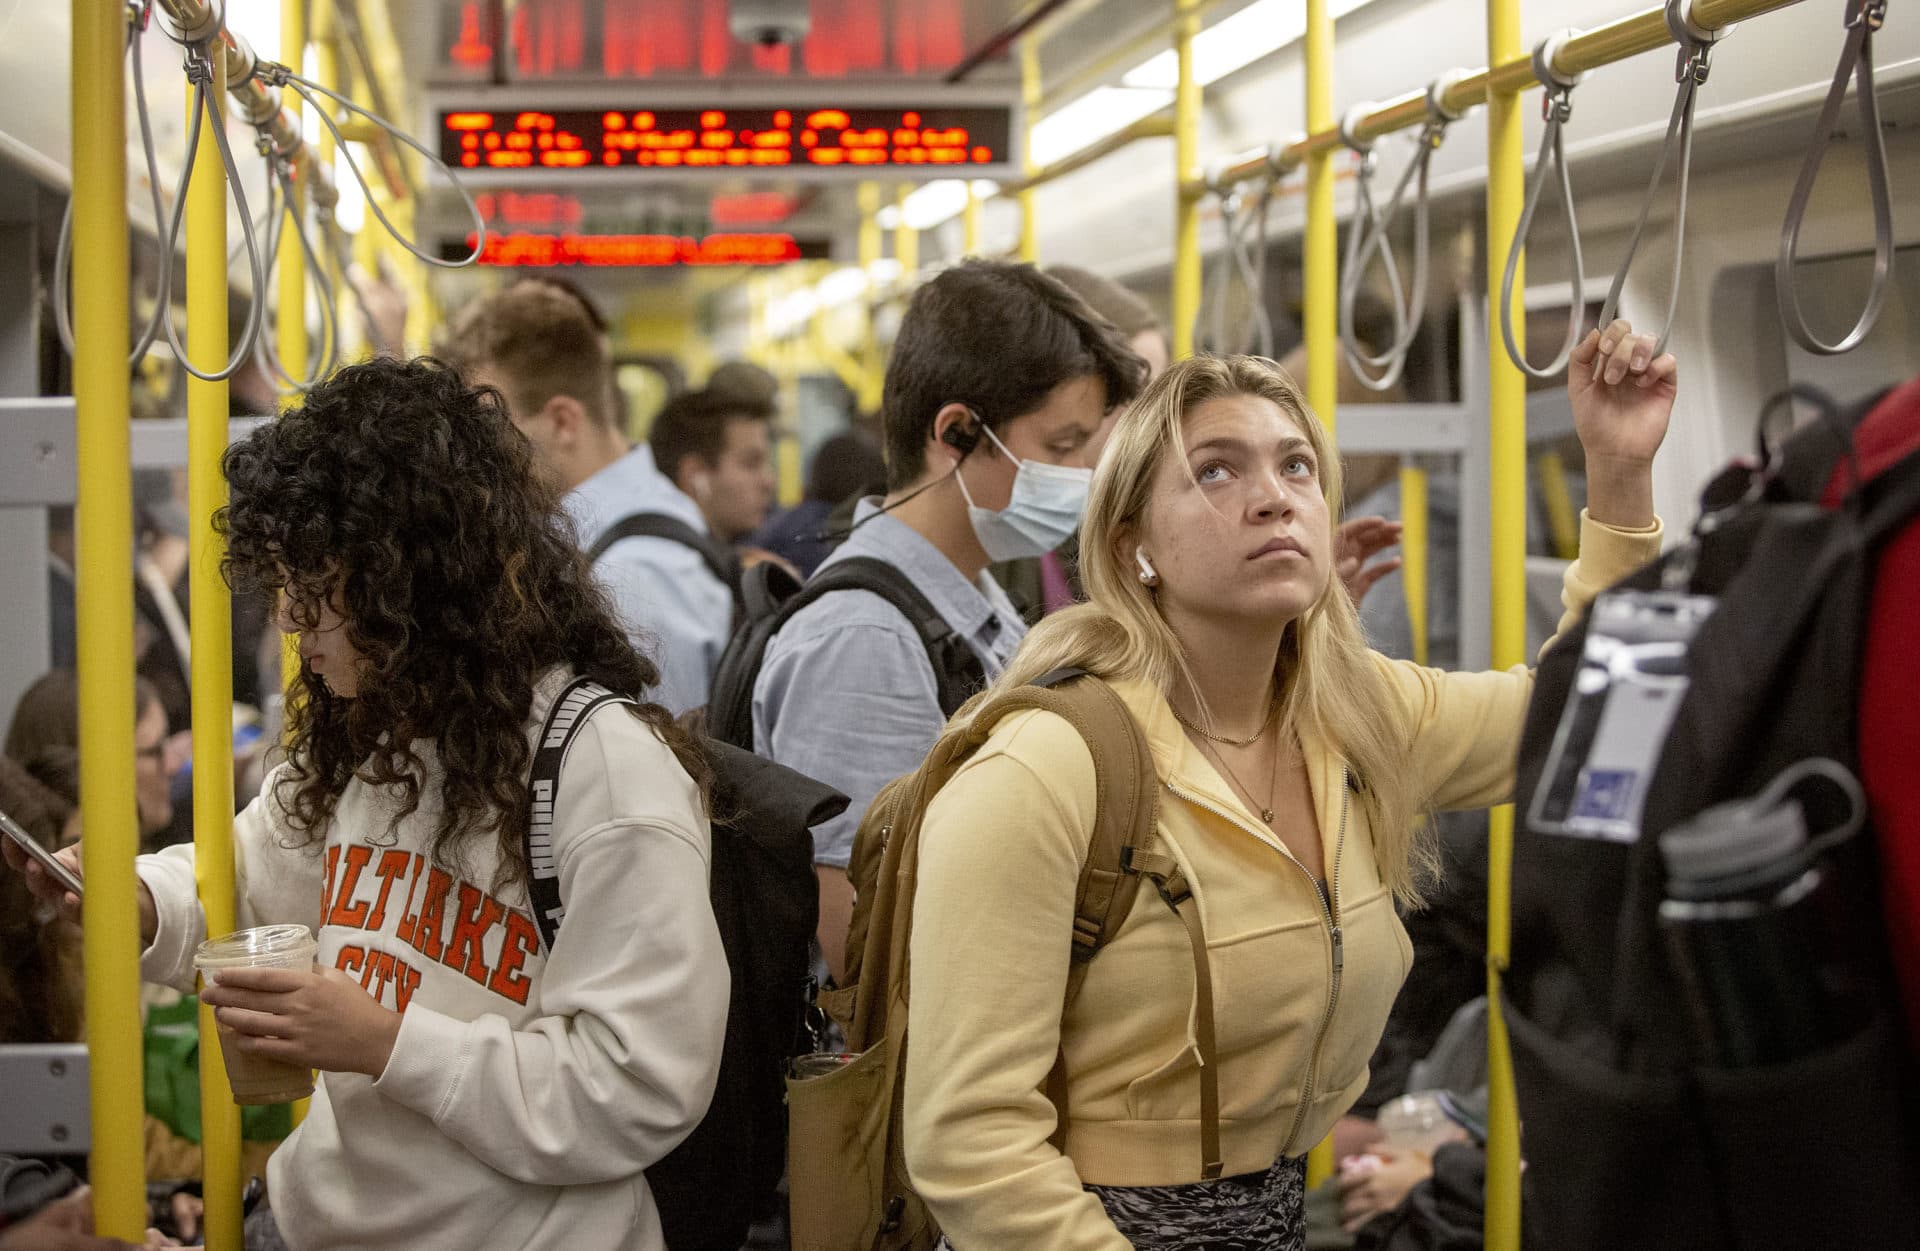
(1631, 1140)
(726, 1175)
(720, 559)
(771, 597)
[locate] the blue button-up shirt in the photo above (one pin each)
(846, 693)
(677, 612)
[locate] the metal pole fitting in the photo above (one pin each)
(1558, 102)
(1350, 123)
(1696, 42)
(1438, 112)
(188, 22)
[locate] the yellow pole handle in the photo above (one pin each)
(1321, 315)
(1186, 164)
(104, 606)
(1413, 554)
(1030, 101)
(1507, 438)
(212, 663)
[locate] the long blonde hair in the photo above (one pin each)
(1331, 688)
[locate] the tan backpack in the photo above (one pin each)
(846, 1167)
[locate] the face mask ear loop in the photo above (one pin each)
(1556, 107)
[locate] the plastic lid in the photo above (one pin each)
(258, 945)
(1735, 839)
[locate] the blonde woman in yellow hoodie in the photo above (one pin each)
(1295, 767)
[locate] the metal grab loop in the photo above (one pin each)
(1369, 235)
(1856, 62)
(1557, 107)
(283, 206)
(1693, 63)
(1243, 251)
(1364, 240)
(275, 74)
(1251, 260)
(207, 109)
(63, 249)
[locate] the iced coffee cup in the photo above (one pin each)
(256, 1079)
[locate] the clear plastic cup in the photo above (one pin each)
(256, 1079)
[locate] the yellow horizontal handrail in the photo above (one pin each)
(1588, 50)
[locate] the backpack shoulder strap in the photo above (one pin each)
(957, 670)
(1119, 855)
(580, 700)
(719, 560)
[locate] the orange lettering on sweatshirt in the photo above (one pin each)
(379, 972)
(350, 958)
(326, 883)
(408, 919)
(466, 951)
(405, 983)
(522, 940)
(426, 934)
(346, 912)
(392, 867)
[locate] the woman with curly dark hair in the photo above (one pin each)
(477, 1089)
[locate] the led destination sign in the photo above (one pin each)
(721, 139)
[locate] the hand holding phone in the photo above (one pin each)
(57, 878)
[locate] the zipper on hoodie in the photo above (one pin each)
(1329, 914)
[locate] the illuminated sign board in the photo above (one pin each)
(522, 249)
(939, 140)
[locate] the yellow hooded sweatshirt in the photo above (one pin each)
(1000, 856)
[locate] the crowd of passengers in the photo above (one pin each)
(441, 539)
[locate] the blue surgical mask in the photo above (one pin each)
(1042, 513)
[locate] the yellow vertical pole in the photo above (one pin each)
(104, 606)
(1322, 259)
(1508, 468)
(1321, 314)
(1413, 554)
(1563, 519)
(1186, 171)
(291, 311)
(906, 240)
(212, 613)
(1030, 109)
(872, 368)
(970, 223)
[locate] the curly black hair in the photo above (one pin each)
(412, 497)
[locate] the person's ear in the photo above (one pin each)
(955, 427)
(567, 419)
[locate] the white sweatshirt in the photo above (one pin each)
(525, 1094)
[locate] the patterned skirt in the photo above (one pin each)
(1252, 1212)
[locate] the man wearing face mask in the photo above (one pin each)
(999, 382)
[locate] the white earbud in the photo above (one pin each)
(702, 486)
(1149, 576)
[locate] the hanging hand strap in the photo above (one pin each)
(1368, 236)
(1695, 57)
(1556, 107)
(1856, 62)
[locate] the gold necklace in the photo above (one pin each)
(1230, 742)
(1273, 776)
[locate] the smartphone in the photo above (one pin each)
(48, 861)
